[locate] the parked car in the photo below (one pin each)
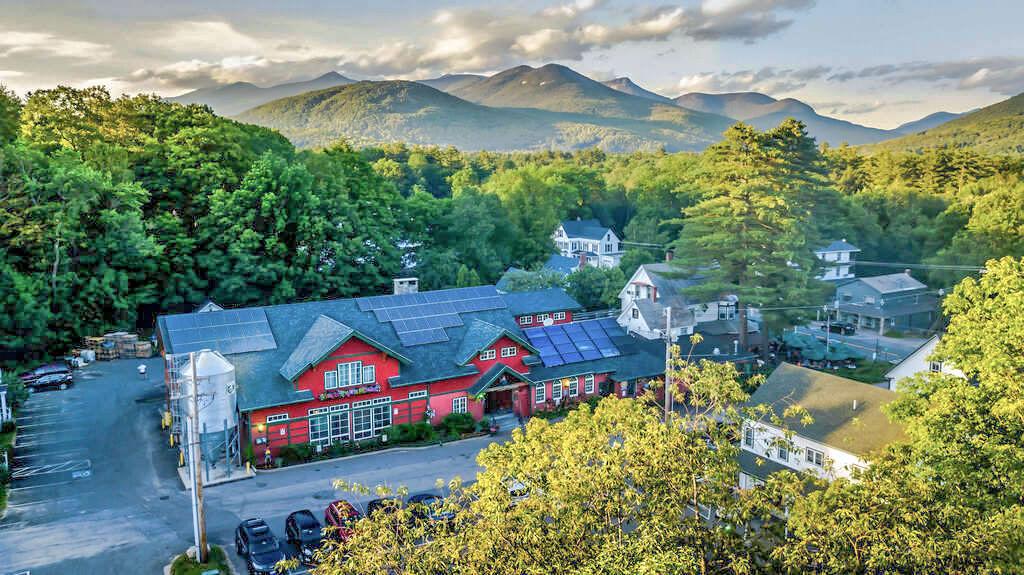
(341, 515)
(428, 506)
(839, 327)
(302, 530)
(52, 381)
(48, 369)
(385, 504)
(256, 542)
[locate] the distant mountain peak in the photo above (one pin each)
(626, 85)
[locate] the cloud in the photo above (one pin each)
(10, 74)
(768, 80)
(858, 108)
(210, 38)
(14, 42)
(1001, 75)
(572, 9)
(746, 20)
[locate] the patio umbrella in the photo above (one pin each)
(839, 351)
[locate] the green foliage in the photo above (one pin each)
(10, 115)
(458, 423)
(183, 565)
(595, 288)
(296, 453)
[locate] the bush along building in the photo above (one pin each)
(848, 425)
(345, 370)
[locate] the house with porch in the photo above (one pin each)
(588, 241)
(344, 370)
(837, 260)
(886, 302)
(655, 287)
(848, 425)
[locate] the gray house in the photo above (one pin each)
(892, 301)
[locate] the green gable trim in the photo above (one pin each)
(494, 374)
(482, 335)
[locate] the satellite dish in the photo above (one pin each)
(548, 321)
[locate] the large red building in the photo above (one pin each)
(343, 370)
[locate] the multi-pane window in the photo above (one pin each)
(460, 405)
(539, 394)
(277, 417)
(339, 423)
(556, 390)
(783, 453)
(748, 437)
(509, 351)
(525, 320)
(362, 423)
(574, 386)
(417, 394)
(319, 426)
(636, 313)
(726, 311)
(350, 374)
(381, 413)
(815, 457)
(487, 354)
(330, 379)
(542, 317)
(588, 384)
(935, 366)
(558, 316)
(369, 374)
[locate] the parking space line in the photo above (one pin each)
(57, 454)
(63, 467)
(38, 486)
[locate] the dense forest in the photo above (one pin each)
(114, 210)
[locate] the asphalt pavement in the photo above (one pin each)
(867, 342)
(96, 489)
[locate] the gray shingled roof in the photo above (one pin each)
(893, 308)
(654, 314)
(838, 246)
(758, 465)
(671, 284)
(892, 283)
(492, 375)
(323, 337)
(540, 301)
(561, 264)
(829, 400)
(586, 229)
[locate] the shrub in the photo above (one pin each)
(424, 431)
(339, 448)
(297, 453)
(250, 454)
(8, 427)
(458, 423)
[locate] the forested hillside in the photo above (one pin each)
(116, 209)
(995, 129)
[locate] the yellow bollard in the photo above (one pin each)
(181, 459)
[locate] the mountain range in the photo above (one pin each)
(522, 108)
(995, 129)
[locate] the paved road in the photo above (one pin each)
(866, 342)
(97, 490)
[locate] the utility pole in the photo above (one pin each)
(828, 328)
(194, 456)
(668, 363)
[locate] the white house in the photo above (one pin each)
(655, 287)
(588, 240)
(919, 361)
(848, 425)
(837, 260)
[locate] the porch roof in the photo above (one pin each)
(493, 375)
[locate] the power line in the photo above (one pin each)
(950, 267)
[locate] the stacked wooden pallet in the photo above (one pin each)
(93, 343)
(143, 349)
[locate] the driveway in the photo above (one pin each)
(97, 492)
(867, 342)
(273, 495)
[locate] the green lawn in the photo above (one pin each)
(185, 566)
(867, 371)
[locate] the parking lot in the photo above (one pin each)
(867, 343)
(96, 489)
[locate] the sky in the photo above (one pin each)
(873, 62)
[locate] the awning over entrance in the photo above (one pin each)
(498, 377)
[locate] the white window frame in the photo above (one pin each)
(323, 425)
(510, 351)
(540, 393)
(748, 436)
(361, 416)
(541, 317)
(588, 383)
(277, 418)
(814, 457)
(935, 366)
(636, 313)
(558, 316)
(574, 386)
(460, 404)
(418, 394)
(381, 413)
(353, 370)
(783, 453)
(487, 355)
(340, 426)
(331, 379)
(369, 374)
(526, 320)
(556, 386)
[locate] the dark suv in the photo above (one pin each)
(427, 506)
(256, 542)
(840, 327)
(51, 381)
(43, 370)
(303, 530)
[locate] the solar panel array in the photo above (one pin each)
(421, 318)
(228, 331)
(574, 342)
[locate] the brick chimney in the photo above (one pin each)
(583, 259)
